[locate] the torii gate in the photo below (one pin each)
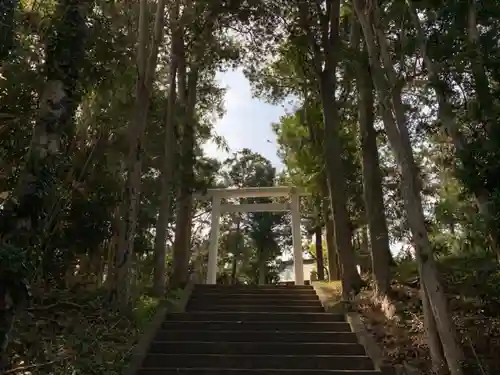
(255, 192)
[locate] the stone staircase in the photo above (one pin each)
(241, 330)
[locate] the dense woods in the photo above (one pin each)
(104, 111)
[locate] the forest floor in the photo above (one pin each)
(78, 333)
(473, 287)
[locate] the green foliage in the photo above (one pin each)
(7, 26)
(472, 279)
(145, 309)
(13, 260)
(312, 251)
(250, 239)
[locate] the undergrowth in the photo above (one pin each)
(64, 333)
(472, 284)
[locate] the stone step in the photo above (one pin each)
(224, 316)
(244, 299)
(256, 292)
(237, 371)
(292, 283)
(228, 290)
(254, 297)
(270, 361)
(200, 302)
(255, 336)
(253, 286)
(260, 308)
(256, 326)
(255, 348)
(255, 330)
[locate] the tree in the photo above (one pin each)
(247, 169)
(147, 55)
(207, 52)
(372, 179)
(167, 170)
(52, 136)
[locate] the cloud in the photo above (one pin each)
(247, 122)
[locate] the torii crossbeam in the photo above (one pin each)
(255, 192)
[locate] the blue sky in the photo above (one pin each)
(247, 122)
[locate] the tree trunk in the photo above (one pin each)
(187, 89)
(167, 173)
(326, 68)
(351, 281)
(325, 61)
(95, 266)
(146, 66)
(397, 133)
(364, 243)
(117, 226)
(372, 178)
(234, 267)
(121, 289)
(433, 341)
(182, 242)
(53, 131)
(262, 267)
(333, 264)
(237, 249)
(319, 252)
(99, 273)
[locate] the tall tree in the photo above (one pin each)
(208, 50)
(53, 133)
(147, 56)
(321, 28)
(167, 171)
(372, 179)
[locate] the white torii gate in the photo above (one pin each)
(255, 192)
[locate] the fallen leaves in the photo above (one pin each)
(473, 287)
(80, 334)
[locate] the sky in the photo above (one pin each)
(247, 122)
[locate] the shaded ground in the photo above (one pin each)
(79, 334)
(473, 288)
